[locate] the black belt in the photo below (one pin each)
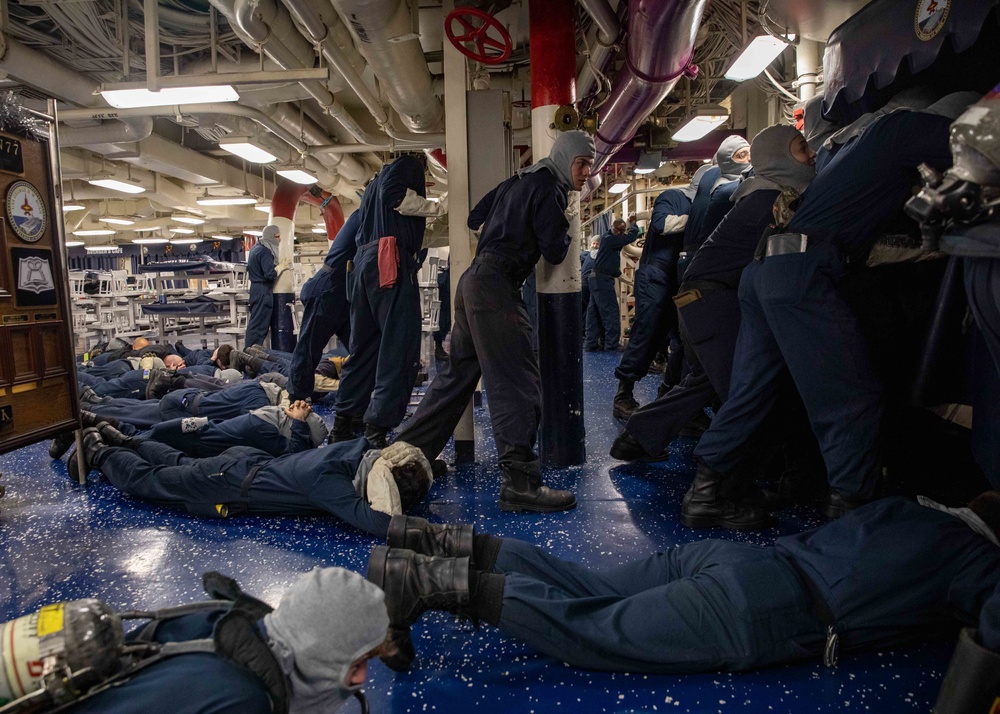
(831, 650)
(193, 404)
(225, 510)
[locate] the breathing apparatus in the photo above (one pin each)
(64, 653)
(968, 193)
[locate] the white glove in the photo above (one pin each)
(399, 453)
(414, 205)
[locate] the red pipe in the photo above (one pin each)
(552, 37)
(439, 157)
(288, 194)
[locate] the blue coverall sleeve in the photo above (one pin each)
(333, 492)
(299, 439)
(989, 622)
(551, 225)
(477, 216)
(399, 178)
(620, 241)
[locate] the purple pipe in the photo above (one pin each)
(658, 51)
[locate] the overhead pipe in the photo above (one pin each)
(385, 38)
(606, 20)
(658, 51)
(224, 108)
(318, 29)
(124, 131)
(269, 30)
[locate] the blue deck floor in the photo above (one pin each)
(62, 541)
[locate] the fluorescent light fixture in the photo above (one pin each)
(187, 218)
(169, 96)
(321, 231)
(182, 230)
(263, 207)
(222, 237)
(226, 201)
(144, 228)
(297, 175)
(116, 185)
(103, 249)
(150, 241)
(700, 122)
(245, 148)
(116, 221)
(73, 206)
(186, 240)
(619, 187)
(94, 232)
(74, 243)
(761, 52)
(254, 233)
(649, 161)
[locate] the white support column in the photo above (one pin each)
(459, 236)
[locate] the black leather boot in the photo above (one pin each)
(162, 381)
(625, 403)
(376, 436)
(628, 448)
(343, 429)
(413, 584)
(438, 539)
(112, 437)
(521, 489)
(89, 396)
(91, 419)
(705, 507)
(243, 362)
(60, 445)
(257, 351)
(93, 444)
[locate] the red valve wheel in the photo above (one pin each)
(475, 26)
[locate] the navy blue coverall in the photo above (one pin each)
(185, 684)
(261, 273)
(327, 311)
(218, 435)
(891, 573)
(794, 315)
(709, 325)
(225, 403)
(523, 219)
(247, 480)
(586, 268)
(132, 383)
(603, 309)
(655, 285)
(699, 211)
(982, 286)
(385, 322)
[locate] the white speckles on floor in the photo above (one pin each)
(61, 541)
